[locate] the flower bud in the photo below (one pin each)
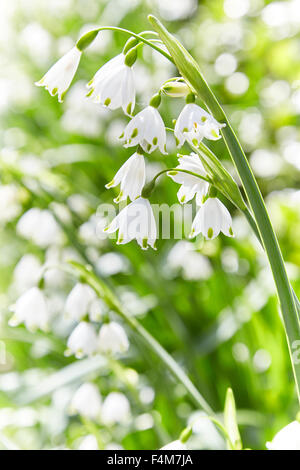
(131, 57)
(155, 101)
(175, 89)
(86, 39)
(132, 42)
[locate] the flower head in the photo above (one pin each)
(113, 339)
(147, 129)
(194, 123)
(131, 176)
(31, 309)
(211, 219)
(87, 401)
(113, 85)
(190, 185)
(287, 438)
(83, 340)
(135, 221)
(58, 79)
(115, 409)
(79, 301)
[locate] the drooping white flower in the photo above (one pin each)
(146, 129)
(79, 301)
(135, 221)
(83, 340)
(194, 123)
(31, 309)
(58, 79)
(87, 401)
(27, 272)
(211, 219)
(89, 442)
(190, 185)
(113, 85)
(115, 409)
(131, 176)
(175, 445)
(113, 338)
(287, 438)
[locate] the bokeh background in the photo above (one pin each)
(211, 305)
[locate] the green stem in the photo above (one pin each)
(104, 292)
(190, 71)
(93, 33)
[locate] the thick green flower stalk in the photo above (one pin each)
(190, 71)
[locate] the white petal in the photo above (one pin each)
(128, 92)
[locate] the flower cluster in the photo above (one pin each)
(113, 86)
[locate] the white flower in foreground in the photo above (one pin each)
(115, 409)
(113, 339)
(83, 340)
(194, 123)
(135, 221)
(31, 309)
(87, 401)
(211, 219)
(58, 79)
(190, 185)
(131, 176)
(89, 442)
(113, 85)
(146, 129)
(287, 438)
(79, 300)
(175, 445)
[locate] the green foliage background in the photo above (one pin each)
(204, 324)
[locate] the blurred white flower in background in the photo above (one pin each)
(83, 341)
(89, 442)
(79, 300)
(265, 163)
(173, 10)
(194, 265)
(87, 401)
(31, 309)
(37, 41)
(40, 227)
(113, 338)
(225, 64)
(10, 206)
(237, 83)
(27, 272)
(115, 409)
(287, 438)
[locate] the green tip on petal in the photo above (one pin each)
(121, 136)
(231, 231)
(154, 141)
(182, 199)
(145, 243)
(54, 91)
(110, 184)
(177, 141)
(107, 102)
(210, 232)
(120, 239)
(128, 109)
(90, 92)
(134, 133)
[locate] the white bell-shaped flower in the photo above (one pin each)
(83, 341)
(58, 79)
(87, 401)
(194, 123)
(31, 309)
(113, 85)
(190, 185)
(135, 221)
(39, 226)
(211, 219)
(113, 338)
(79, 300)
(115, 409)
(146, 129)
(175, 445)
(131, 176)
(287, 438)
